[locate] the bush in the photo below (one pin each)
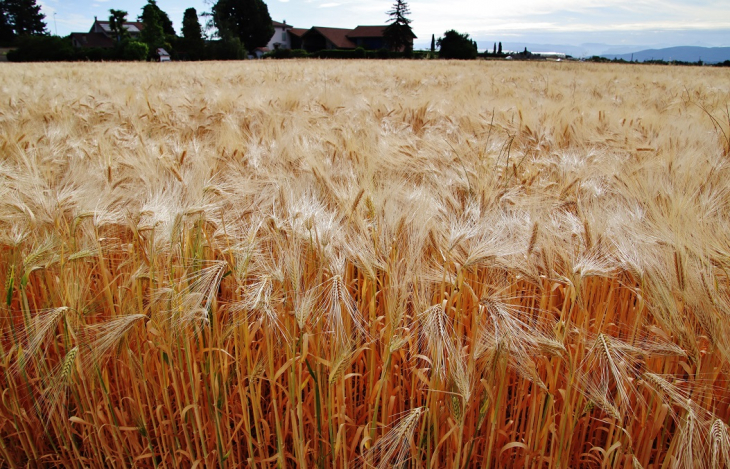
(134, 50)
(383, 53)
(456, 46)
(94, 54)
(226, 49)
(42, 49)
(334, 54)
(287, 54)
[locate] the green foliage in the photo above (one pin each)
(383, 53)
(153, 34)
(456, 46)
(399, 35)
(192, 42)
(117, 18)
(134, 50)
(248, 20)
(95, 54)
(162, 17)
(287, 54)
(6, 29)
(20, 18)
(433, 43)
(226, 49)
(42, 49)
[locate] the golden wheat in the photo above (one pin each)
(339, 263)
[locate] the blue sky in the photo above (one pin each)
(621, 22)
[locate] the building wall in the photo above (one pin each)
(281, 37)
(370, 43)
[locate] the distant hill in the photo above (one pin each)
(708, 55)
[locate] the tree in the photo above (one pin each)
(499, 50)
(192, 33)
(248, 20)
(494, 51)
(117, 18)
(433, 43)
(164, 20)
(399, 35)
(456, 46)
(6, 29)
(153, 34)
(23, 17)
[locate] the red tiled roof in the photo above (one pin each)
(298, 32)
(92, 40)
(367, 31)
(280, 25)
(336, 36)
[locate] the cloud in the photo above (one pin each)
(330, 5)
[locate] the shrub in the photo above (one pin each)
(455, 45)
(42, 49)
(134, 51)
(226, 49)
(383, 53)
(287, 54)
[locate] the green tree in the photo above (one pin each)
(456, 46)
(117, 18)
(499, 50)
(152, 34)
(192, 34)
(399, 35)
(6, 29)
(433, 43)
(134, 50)
(248, 20)
(162, 17)
(23, 17)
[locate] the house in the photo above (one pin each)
(163, 55)
(295, 37)
(100, 35)
(367, 37)
(319, 38)
(84, 40)
(258, 52)
(281, 38)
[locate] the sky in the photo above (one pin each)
(646, 23)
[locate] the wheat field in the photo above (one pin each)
(361, 264)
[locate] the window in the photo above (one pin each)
(283, 36)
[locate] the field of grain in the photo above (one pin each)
(364, 264)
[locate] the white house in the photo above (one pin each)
(163, 55)
(280, 39)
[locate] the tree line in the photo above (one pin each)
(240, 26)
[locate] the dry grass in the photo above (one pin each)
(361, 264)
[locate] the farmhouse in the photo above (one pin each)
(101, 34)
(281, 38)
(319, 38)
